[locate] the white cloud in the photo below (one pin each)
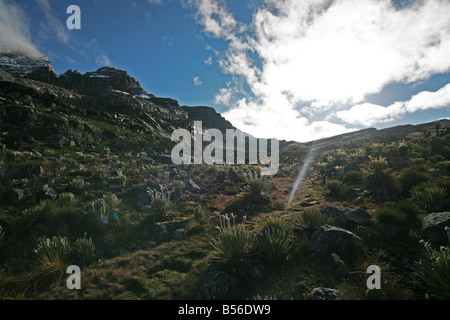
(369, 114)
(14, 26)
(208, 61)
(103, 60)
(155, 1)
(315, 55)
(197, 81)
(54, 25)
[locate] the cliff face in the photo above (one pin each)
(209, 117)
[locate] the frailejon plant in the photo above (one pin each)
(233, 245)
(53, 256)
(433, 272)
(255, 188)
(275, 245)
(160, 205)
(333, 187)
(312, 218)
(431, 198)
(83, 251)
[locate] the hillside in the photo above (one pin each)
(86, 179)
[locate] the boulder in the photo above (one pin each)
(16, 195)
(192, 187)
(180, 233)
(433, 226)
(348, 218)
(329, 239)
(322, 293)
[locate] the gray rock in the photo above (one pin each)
(338, 261)
(16, 195)
(363, 232)
(347, 217)
(322, 293)
(329, 239)
(192, 187)
(433, 226)
(356, 217)
(180, 233)
(336, 212)
(49, 192)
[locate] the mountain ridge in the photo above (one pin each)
(115, 91)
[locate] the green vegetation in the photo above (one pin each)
(433, 272)
(233, 244)
(141, 229)
(312, 218)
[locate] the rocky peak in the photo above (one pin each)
(26, 66)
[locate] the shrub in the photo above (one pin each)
(234, 244)
(53, 256)
(378, 166)
(333, 187)
(391, 289)
(339, 172)
(408, 209)
(412, 177)
(67, 199)
(431, 198)
(353, 177)
(199, 215)
(105, 210)
(312, 218)
(275, 245)
(76, 185)
(389, 215)
(273, 223)
(433, 272)
(160, 206)
(274, 241)
(255, 188)
(83, 251)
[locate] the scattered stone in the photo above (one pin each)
(49, 192)
(322, 293)
(433, 226)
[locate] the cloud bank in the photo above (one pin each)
(307, 66)
(14, 26)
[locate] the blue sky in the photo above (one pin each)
(295, 70)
